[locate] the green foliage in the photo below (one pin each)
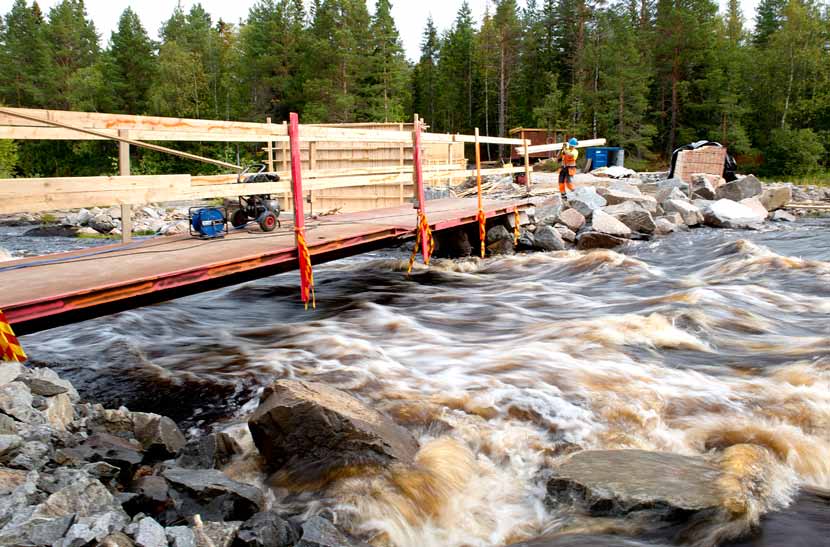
(795, 152)
(8, 158)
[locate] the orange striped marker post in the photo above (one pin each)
(10, 348)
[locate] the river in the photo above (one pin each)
(689, 344)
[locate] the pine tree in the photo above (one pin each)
(425, 76)
(508, 29)
(389, 70)
(24, 57)
(456, 69)
(132, 64)
(74, 46)
(769, 18)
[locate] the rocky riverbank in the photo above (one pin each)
(97, 222)
(610, 213)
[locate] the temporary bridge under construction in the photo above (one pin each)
(49, 291)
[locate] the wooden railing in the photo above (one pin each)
(32, 195)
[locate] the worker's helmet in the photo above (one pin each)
(573, 142)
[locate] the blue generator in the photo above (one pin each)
(208, 222)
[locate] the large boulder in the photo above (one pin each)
(160, 437)
(498, 233)
(585, 199)
(319, 532)
(102, 223)
(212, 495)
(310, 430)
(566, 233)
(776, 197)
(618, 482)
(726, 213)
(572, 218)
(691, 215)
(663, 226)
(756, 205)
(746, 187)
(633, 216)
(702, 187)
(670, 193)
(548, 239)
(47, 383)
(547, 213)
(604, 223)
(597, 240)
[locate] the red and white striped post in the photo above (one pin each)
(419, 185)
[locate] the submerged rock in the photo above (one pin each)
(617, 482)
(548, 239)
(310, 429)
(597, 240)
(212, 495)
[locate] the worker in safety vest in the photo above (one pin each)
(568, 157)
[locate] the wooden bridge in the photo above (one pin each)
(49, 291)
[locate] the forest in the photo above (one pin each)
(648, 75)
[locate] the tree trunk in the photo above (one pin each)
(675, 79)
(502, 99)
(789, 88)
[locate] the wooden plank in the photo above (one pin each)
(42, 186)
(558, 146)
(485, 139)
(124, 171)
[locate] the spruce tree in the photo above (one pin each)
(387, 79)
(769, 18)
(74, 46)
(425, 76)
(25, 58)
(132, 64)
(456, 69)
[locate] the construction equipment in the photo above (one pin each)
(261, 208)
(208, 222)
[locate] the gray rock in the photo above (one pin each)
(604, 223)
(691, 215)
(212, 495)
(566, 233)
(102, 223)
(150, 534)
(756, 205)
(118, 539)
(11, 480)
(596, 240)
(46, 382)
(8, 444)
(266, 529)
(547, 213)
(9, 371)
(702, 188)
(585, 199)
(119, 452)
(548, 239)
(726, 213)
(102, 471)
(319, 532)
(667, 194)
(87, 530)
(526, 239)
(618, 482)
(498, 233)
(623, 186)
(59, 411)
(309, 429)
(31, 455)
(8, 426)
(151, 496)
(742, 188)
(632, 215)
(159, 435)
(673, 183)
(209, 452)
(663, 226)
(16, 401)
(452, 244)
(572, 218)
(216, 534)
(180, 536)
(52, 231)
(776, 197)
(781, 215)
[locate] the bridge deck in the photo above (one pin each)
(45, 292)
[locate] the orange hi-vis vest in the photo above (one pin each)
(569, 156)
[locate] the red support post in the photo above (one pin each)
(306, 275)
(419, 185)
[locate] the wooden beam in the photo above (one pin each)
(141, 144)
(558, 146)
(124, 171)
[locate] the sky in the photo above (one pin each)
(410, 15)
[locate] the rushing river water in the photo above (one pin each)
(689, 344)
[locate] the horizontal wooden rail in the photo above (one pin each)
(558, 146)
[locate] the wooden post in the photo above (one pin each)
(527, 164)
(270, 150)
(285, 163)
(297, 183)
(417, 170)
(124, 171)
(312, 165)
(449, 162)
(478, 168)
(401, 164)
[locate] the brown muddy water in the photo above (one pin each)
(692, 344)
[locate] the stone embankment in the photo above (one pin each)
(609, 215)
(94, 222)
